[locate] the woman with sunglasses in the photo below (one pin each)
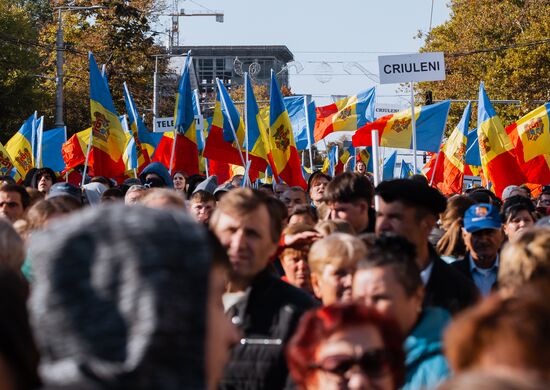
(388, 280)
(346, 346)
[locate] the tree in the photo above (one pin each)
(504, 43)
(120, 37)
(19, 67)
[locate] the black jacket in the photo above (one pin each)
(267, 319)
(463, 266)
(448, 288)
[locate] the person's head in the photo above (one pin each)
(483, 195)
(248, 223)
(504, 380)
(333, 261)
(12, 247)
(180, 180)
(134, 194)
(409, 208)
(326, 228)
(346, 346)
(14, 200)
(482, 233)
(518, 213)
(5, 179)
(360, 167)
(112, 195)
(18, 353)
(294, 259)
(543, 201)
(503, 334)
(267, 188)
(349, 197)
(163, 198)
(237, 180)
(388, 279)
(452, 219)
(43, 179)
(294, 196)
(303, 214)
(524, 260)
(156, 175)
(317, 183)
(63, 189)
(103, 180)
(119, 311)
(40, 213)
(201, 206)
(513, 190)
(93, 193)
(279, 188)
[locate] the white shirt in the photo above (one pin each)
(426, 273)
(484, 278)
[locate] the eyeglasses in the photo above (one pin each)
(373, 363)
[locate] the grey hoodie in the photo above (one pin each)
(119, 299)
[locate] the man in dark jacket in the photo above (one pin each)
(156, 175)
(411, 208)
(248, 224)
(483, 237)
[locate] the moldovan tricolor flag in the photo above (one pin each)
(185, 151)
(20, 148)
(6, 165)
(108, 138)
(74, 150)
(449, 171)
(531, 138)
(348, 114)
(258, 140)
(282, 149)
(497, 151)
(395, 130)
(138, 131)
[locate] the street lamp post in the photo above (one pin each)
(59, 48)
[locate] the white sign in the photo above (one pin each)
(381, 109)
(411, 67)
(162, 125)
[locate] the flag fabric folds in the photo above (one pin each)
(6, 164)
(301, 120)
(498, 158)
(389, 166)
(348, 114)
(74, 150)
(395, 130)
(108, 138)
(282, 149)
(20, 147)
(449, 171)
(178, 150)
(258, 142)
(529, 137)
(406, 170)
(52, 143)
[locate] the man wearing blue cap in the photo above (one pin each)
(483, 237)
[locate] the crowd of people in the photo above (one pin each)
(181, 282)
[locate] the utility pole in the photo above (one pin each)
(60, 48)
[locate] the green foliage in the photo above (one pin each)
(505, 43)
(19, 67)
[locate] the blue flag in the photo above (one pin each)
(389, 166)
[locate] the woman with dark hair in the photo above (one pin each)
(518, 213)
(344, 346)
(43, 180)
(451, 244)
(180, 181)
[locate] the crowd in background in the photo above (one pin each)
(181, 282)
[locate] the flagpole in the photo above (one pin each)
(246, 120)
(87, 155)
(196, 93)
(33, 137)
(173, 151)
(376, 164)
(232, 127)
(308, 130)
(39, 136)
(413, 122)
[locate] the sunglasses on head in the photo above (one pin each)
(373, 363)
